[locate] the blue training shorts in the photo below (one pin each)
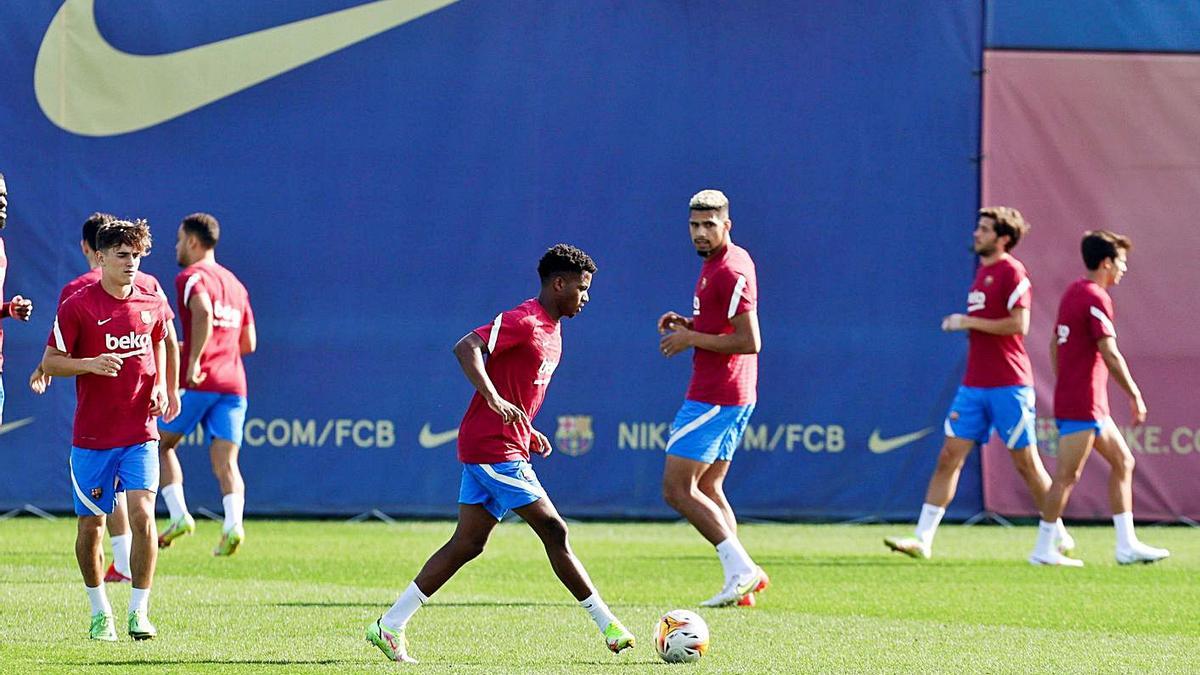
(706, 433)
(223, 415)
(500, 487)
(976, 411)
(1068, 427)
(95, 473)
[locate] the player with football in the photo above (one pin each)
(118, 520)
(997, 389)
(218, 328)
(110, 337)
(723, 334)
(523, 346)
(1083, 352)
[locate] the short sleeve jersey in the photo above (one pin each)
(146, 282)
(221, 360)
(998, 360)
(524, 346)
(727, 287)
(1085, 316)
(112, 412)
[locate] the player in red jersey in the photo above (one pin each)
(16, 308)
(218, 326)
(118, 521)
(997, 389)
(523, 347)
(1083, 351)
(723, 333)
(109, 336)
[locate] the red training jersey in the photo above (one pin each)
(221, 359)
(146, 282)
(112, 412)
(524, 346)
(998, 360)
(4, 312)
(1085, 316)
(727, 287)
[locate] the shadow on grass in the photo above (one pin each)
(426, 607)
(223, 662)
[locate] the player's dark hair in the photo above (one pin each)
(205, 227)
(564, 259)
(1100, 245)
(1009, 223)
(93, 224)
(134, 234)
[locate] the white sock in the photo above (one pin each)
(734, 559)
(928, 522)
(1045, 541)
(120, 546)
(173, 495)
(99, 599)
(1126, 537)
(599, 611)
(139, 600)
(409, 602)
(233, 502)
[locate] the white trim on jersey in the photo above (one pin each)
(692, 426)
(738, 288)
(1018, 292)
(495, 332)
(58, 338)
(513, 482)
(1103, 318)
(91, 506)
(187, 288)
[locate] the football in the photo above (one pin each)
(681, 636)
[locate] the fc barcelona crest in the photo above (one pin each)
(574, 436)
(147, 317)
(97, 493)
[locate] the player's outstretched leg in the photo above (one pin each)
(681, 490)
(942, 486)
(142, 559)
(1073, 450)
(712, 485)
(224, 455)
(475, 525)
(118, 533)
(1028, 464)
(181, 523)
(549, 526)
(1110, 445)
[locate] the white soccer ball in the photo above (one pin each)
(681, 636)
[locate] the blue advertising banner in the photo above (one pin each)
(388, 173)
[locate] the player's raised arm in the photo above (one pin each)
(469, 351)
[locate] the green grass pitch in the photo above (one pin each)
(298, 596)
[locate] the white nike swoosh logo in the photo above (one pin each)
(428, 439)
(88, 87)
(101, 323)
(12, 426)
(879, 445)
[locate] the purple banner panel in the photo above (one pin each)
(1082, 141)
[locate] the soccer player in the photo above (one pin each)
(218, 328)
(523, 347)
(723, 333)
(18, 307)
(997, 389)
(1083, 351)
(118, 521)
(109, 336)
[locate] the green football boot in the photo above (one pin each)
(230, 541)
(391, 642)
(103, 628)
(140, 627)
(176, 529)
(617, 638)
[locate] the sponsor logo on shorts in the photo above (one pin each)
(574, 436)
